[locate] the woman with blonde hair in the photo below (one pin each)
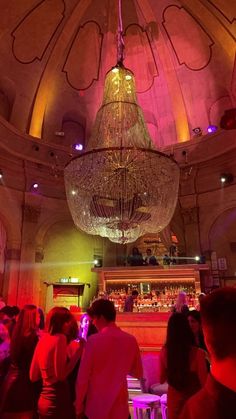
(181, 304)
(55, 357)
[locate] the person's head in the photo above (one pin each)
(218, 311)
(25, 327)
(149, 252)
(102, 312)
(60, 320)
(134, 294)
(201, 296)
(135, 251)
(7, 312)
(85, 320)
(181, 299)
(194, 319)
(41, 320)
(4, 335)
(27, 320)
(179, 342)
(85, 324)
(178, 330)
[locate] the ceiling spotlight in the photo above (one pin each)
(197, 258)
(96, 262)
(35, 186)
(226, 178)
(197, 132)
(78, 147)
(222, 178)
(1, 175)
(212, 128)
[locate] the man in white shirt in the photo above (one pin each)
(109, 356)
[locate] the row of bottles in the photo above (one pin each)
(161, 299)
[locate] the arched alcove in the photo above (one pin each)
(73, 132)
(222, 239)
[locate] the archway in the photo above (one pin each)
(222, 239)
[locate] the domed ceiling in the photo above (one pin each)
(55, 54)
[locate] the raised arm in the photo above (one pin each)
(63, 365)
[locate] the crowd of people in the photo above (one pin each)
(44, 375)
(198, 360)
(57, 371)
(137, 259)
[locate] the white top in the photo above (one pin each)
(101, 387)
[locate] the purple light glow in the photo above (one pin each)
(78, 147)
(212, 128)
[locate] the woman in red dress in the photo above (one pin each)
(55, 357)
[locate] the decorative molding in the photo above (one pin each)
(25, 31)
(180, 27)
(223, 8)
(77, 74)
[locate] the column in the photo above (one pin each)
(29, 282)
(12, 271)
(191, 229)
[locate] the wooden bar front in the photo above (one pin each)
(148, 328)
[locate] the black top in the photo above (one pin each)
(135, 260)
(214, 401)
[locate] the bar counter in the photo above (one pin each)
(148, 328)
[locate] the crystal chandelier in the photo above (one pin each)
(120, 186)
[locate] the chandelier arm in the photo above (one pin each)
(120, 38)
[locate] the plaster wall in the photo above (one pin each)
(69, 252)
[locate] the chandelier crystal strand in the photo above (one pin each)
(121, 187)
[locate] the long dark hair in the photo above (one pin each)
(196, 315)
(56, 319)
(25, 328)
(179, 342)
